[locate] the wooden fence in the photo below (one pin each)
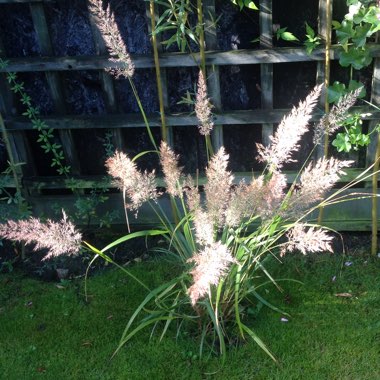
(42, 192)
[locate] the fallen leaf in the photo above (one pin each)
(41, 369)
(110, 317)
(29, 304)
(343, 295)
(87, 343)
(60, 287)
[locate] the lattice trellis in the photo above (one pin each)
(355, 216)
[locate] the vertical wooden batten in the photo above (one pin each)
(55, 85)
(213, 77)
(373, 154)
(266, 69)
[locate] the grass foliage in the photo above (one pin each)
(48, 330)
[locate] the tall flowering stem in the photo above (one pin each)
(164, 130)
(107, 25)
(204, 114)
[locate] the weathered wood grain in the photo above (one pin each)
(258, 116)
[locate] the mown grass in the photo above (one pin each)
(50, 332)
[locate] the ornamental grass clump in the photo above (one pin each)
(226, 232)
(223, 234)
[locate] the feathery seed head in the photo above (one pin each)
(307, 239)
(330, 123)
(139, 187)
(289, 132)
(171, 170)
(107, 25)
(315, 181)
(218, 187)
(211, 264)
(203, 107)
(60, 238)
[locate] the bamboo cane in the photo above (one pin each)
(327, 83)
(164, 131)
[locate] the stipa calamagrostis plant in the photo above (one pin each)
(225, 234)
(222, 255)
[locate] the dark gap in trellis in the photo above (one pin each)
(17, 31)
(90, 145)
(240, 87)
(292, 83)
(190, 146)
(136, 140)
(236, 29)
(240, 143)
(83, 93)
(144, 81)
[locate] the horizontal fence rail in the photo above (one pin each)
(167, 60)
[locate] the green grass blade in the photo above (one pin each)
(133, 236)
(259, 342)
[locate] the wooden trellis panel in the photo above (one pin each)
(266, 56)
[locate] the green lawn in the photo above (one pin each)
(49, 332)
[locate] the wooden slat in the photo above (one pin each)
(220, 58)
(375, 99)
(54, 83)
(135, 120)
(89, 182)
(349, 216)
(213, 78)
(266, 69)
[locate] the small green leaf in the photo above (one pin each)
(354, 85)
(309, 30)
(342, 143)
(251, 5)
(336, 91)
(357, 58)
(288, 36)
